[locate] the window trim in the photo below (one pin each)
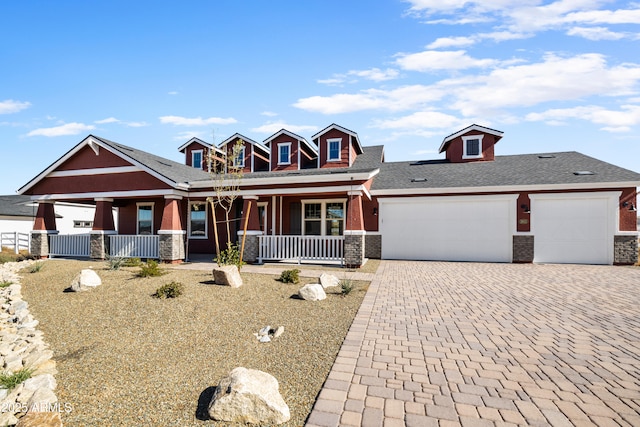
(206, 222)
(464, 146)
(332, 140)
(288, 145)
(193, 153)
(238, 161)
(323, 213)
(138, 206)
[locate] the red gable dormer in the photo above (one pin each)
(288, 151)
(471, 144)
(254, 156)
(337, 146)
(197, 152)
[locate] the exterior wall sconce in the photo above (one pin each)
(631, 206)
(375, 211)
(525, 208)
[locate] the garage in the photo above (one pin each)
(576, 228)
(452, 228)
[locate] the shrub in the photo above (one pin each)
(114, 263)
(132, 262)
(346, 286)
(150, 269)
(8, 255)
(36, 267)
(230, 256)
(170, 290)
(290, 276)
(5, 284)
(10, 381)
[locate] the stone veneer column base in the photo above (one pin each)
(625, 249)
(522, 249)
(373, 246)
(100, 244)
(40, 243)
(354, 245)
(171, 246)
(251, 245)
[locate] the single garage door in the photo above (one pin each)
(576, 228)
(456, 228)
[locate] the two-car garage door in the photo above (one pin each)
(456, 228)
(567, 227)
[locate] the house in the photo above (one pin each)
(331, 197)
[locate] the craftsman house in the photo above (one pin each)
(331, 198)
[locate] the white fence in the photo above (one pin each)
(73, 245)
(16, 241)
(301, 248)
(134, 246)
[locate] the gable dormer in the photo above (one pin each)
(253, 157)
(288, 151)
(337, 146)
(197, 151)
(471, 144)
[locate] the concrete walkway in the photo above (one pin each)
(473, 344)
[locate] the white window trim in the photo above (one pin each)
(264, 205)
(464, 146)
(329, 141)
(323, 212)
(138, 206)
(238, 162)
(193, 153)
(284, 144)
(206, 222)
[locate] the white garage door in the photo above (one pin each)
(575, 228)
(464, 228)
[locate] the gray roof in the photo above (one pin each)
(16, 205)
(515, 170)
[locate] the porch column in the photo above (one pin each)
(172, 232)
(354, 231)
(103, 226)
(250, 206)
(43, 226)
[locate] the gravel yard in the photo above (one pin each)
(126, 358)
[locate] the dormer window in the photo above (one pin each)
(472, 147)
(238, 161)
(284, 153)
(196, 159)
(333, 149)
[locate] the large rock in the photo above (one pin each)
(85, 280)
(249, 396)
(227, 275)
(328, 280)
(40, 419)
(312, 292)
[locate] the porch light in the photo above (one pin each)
(525, 208)
(632, 207)
(375, 211)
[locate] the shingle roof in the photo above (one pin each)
(525, 169)
(16, 205)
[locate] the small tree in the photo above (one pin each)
(226, 174)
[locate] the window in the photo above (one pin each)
(198, 220)
(238, 161)
(323, 218)
(262, 215)
(284, 153)
(333, 150)
(196, 159)
(82, 224)
(145, 219)
(472, 147)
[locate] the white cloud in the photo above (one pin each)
(269, 114)
(136, 124)
(373, 74)
(596, 33)
(107, 120)
(613, 120)
(452, 42)
(10, 106)
(62, 130)
(429, 60)
(187, 135)
(273, 127)
(399, 99)
(173, 92)
(420, 120)
(196, 121)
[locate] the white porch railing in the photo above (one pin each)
(134, 246)
(74, 245)
(16, 241)
(301, 248)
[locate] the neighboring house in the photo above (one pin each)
(17, 214)
(470, 206)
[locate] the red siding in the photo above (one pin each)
(86, 158)
(345, 148)
(194, 146)
(628, 219)
(273, 145)
(131, 181)
(455, 149)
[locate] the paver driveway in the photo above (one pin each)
(473, 344)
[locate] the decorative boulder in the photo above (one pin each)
(249, 396)
(227, 275)
(85, 280)
(312, 292)
(328, 280)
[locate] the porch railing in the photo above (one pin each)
(134, 246)
(301, 248)
(16, 241)
(74, 245)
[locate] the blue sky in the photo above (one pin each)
(553, 75)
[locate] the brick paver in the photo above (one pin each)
(475, 344)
